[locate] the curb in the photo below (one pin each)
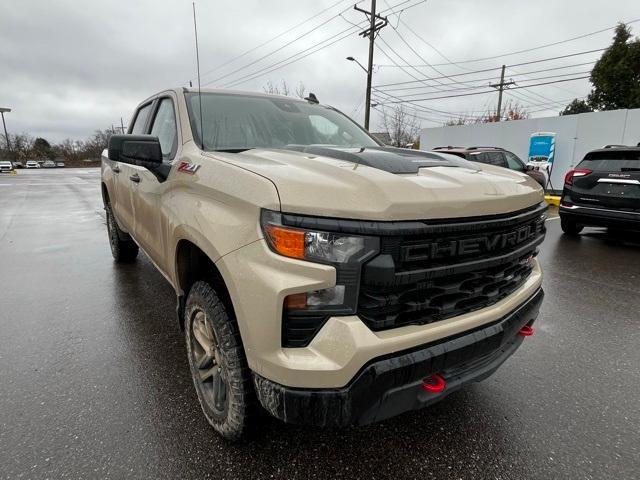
(552, 200)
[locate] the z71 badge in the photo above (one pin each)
(190, 168)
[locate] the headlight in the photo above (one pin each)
(303, 314)
(314, 246)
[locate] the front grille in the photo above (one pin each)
(455, 269)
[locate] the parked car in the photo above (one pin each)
(319, 274)
(603, 190)
(6, 166)
(496, 156)
(49, 164)
(17, 164)
(60, 164)
(32, 164)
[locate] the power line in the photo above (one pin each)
(476, 86)
(491, 91)
(422, 108)
(426, 43)
(493, 78)
(251, 50)
(283, 63)
(517, 52)
(453, 115)
(496, 68)
(533, 98)
(306, 52)
(395, 29)
(299, 37)
(559, 57)
(404, 69)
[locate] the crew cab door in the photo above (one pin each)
(123, 204)
(608, 179)
(148, 189)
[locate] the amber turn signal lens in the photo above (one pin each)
(289, 243)
(297, 301)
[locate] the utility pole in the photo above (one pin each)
(4, 125)
(122, 125)
(500, 86)
(376, 23)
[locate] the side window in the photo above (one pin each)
(495, 158)
(164, 127)
(514, 162)
(478, 157)
(141, 120)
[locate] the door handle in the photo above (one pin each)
(116, 169)
(135, 178)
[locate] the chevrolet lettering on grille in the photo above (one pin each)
(445, 248)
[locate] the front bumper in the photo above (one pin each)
(391, 385)
(258, 280)
(601, 217)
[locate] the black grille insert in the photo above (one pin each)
(424, 278)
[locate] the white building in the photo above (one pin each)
(575, 136)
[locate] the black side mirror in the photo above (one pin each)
(528, 168)
(142, 150)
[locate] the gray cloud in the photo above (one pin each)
(70, 67)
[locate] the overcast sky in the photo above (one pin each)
(70, 67)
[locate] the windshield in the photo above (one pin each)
(620, 161)
(240, 122)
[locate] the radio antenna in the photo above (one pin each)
(195, 29)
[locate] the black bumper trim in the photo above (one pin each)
(390, 385)
(600, 217)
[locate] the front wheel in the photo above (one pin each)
(218, 364)
(123, 248)
(570, 228)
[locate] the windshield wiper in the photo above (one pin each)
(233, 150)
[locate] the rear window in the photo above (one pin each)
(620, 161)
(457, 154)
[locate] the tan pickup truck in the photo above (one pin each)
(318, 274)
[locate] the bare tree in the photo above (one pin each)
(94, 146)
(510, 111)
(461, 120)
(301, 90)
(284, 89)
(401, 125)
(21, 146)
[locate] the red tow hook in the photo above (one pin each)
(434, 384)
(526, 331)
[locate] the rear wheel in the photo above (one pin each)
(570, 228)
(218, 364)
(123, 248)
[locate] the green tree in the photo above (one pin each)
(616, 76)
(576, 106)
(42, 149)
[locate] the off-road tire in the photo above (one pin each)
(240, 405)
(123, 248)
(570, 228)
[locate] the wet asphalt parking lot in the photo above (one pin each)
(94, 381)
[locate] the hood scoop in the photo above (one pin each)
(389, 159)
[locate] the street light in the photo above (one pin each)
(4, 125)
(351, 59)
(367, 110)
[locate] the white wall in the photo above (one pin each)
(575, 136)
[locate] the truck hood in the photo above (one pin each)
(384, 183)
